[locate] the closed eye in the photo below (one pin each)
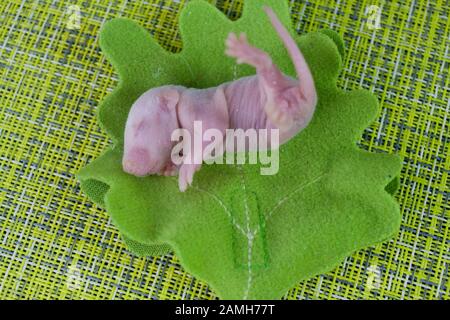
(139, 127)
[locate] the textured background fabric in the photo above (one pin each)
(55, 244)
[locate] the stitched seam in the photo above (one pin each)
(285, 198)
(225, 208)
(249, 237)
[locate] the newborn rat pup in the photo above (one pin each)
(267, 100)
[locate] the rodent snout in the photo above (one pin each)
(137, 162)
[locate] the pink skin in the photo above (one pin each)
(268, 100)
(151, 121)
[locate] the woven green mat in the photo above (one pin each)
(56, 244)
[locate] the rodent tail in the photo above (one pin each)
(301, 67)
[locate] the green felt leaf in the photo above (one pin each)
(247, 235)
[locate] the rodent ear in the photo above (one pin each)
(169, 99)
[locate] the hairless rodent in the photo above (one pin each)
(267, 100)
